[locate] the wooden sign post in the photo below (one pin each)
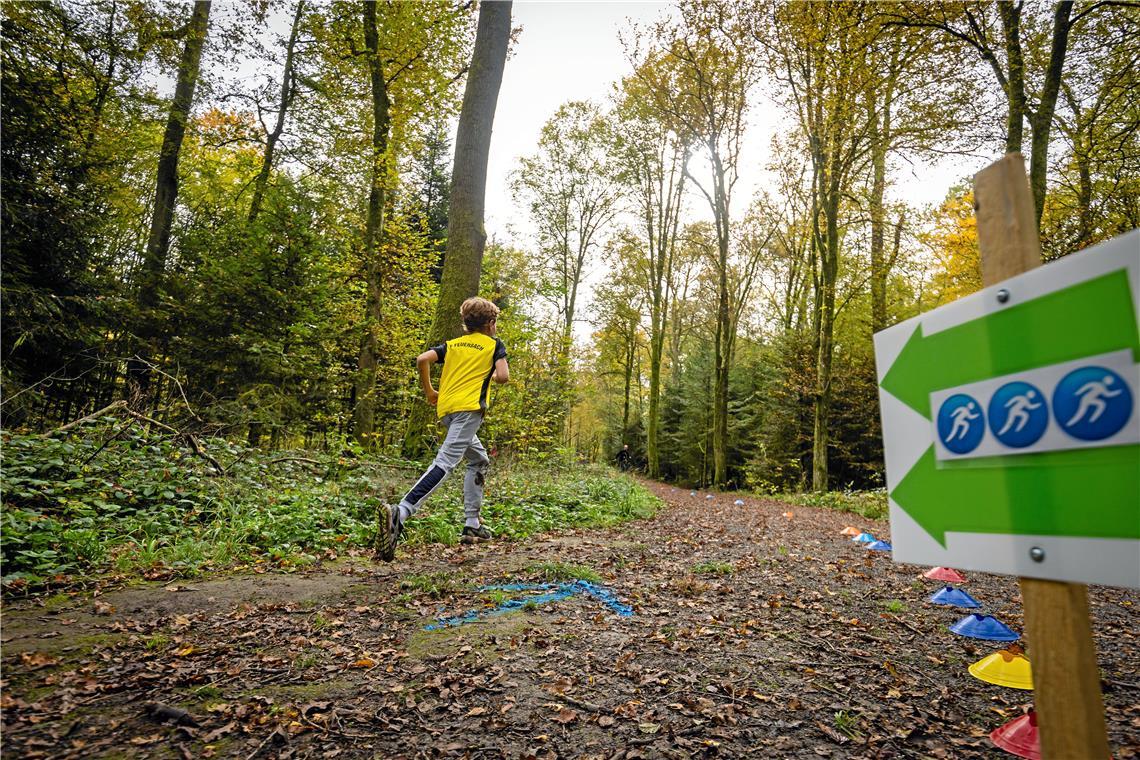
(1066, 681)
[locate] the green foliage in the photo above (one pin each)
(560, 571)
(871, 504)
(712, 567)
(140, 505)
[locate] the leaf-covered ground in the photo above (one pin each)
(755, 632)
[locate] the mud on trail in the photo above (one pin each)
(753, 634)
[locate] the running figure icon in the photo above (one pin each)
(962, 417)
(961, 423)
(1092, 403)
(1019, 408)
(1092, 395)
(1018, 414)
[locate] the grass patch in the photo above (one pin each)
(556, 572)
(434, 585)
(713, 568)
(78, 506)
(870, 504)
(894, 605)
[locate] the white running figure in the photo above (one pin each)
(1092, 395)
(1019, 408)
(963, 415)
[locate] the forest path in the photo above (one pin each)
(752, 633)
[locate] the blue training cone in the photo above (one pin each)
(987, 627)
(954, 597)
(879, 546)
(739, 502)
(864, 538)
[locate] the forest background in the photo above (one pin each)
(280, 302)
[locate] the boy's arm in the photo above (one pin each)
(502, 372)
(423, 364)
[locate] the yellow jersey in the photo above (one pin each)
(468, 363)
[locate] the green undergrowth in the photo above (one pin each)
(141, 505)
(870, 504)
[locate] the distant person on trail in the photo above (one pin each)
(623, 458)
(470, 362)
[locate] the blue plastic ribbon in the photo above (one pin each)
(554, 593)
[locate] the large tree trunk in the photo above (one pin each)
(166, 193)
(1041, 120)
(466, 236)
(829, 270)
(271, 139)
(364, 414)
(723, 330)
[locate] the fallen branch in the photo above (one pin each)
(105, 410)
(189, 437)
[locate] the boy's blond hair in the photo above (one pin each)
(477, 312)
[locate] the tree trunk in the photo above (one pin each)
(1041, 120)
(286, 100)
(880, 143)
(364, 414)
(466, 237)
(1015, 80)
(723, 337)
(829, 270)
(166, 194)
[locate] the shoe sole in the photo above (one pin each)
(386, 550)
(473, 540)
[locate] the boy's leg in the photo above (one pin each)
(477, 464)
(455, 443)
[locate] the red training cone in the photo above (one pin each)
(944, 574)
(850, 530)
(1019, 737)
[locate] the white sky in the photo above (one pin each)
(569, 50)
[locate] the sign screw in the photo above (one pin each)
(1037, 554)
(1003, 295)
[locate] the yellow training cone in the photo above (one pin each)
(1004, 668)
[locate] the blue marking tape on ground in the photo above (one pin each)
(606, 597)
(554, 593)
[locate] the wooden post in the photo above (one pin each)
(1066, 681)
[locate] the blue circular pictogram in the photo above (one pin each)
(1018, 414)
(961, 423)
(1092, 403)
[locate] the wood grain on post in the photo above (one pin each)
(1066, 681)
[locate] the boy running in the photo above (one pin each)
(469, 362)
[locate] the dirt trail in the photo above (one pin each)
(753, 634)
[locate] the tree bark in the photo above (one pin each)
(1041, 119)
(271, 139)
(364, 414)
(466, 237)
(166, 192)
(829, 270)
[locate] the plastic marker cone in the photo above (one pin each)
(1004, 668)
(708, 496)
(987, 627)
(864, 538)
(739, 502)
(954, 597)
(789, 515)
(944, 574)
(850, 531)
(879, 546)
(1019, 737)
(692, 493)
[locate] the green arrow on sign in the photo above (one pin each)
(1092, 493)
(1050, 329)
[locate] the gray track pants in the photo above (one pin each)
(461, 442)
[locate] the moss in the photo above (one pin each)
(58, 602)
(478, 636)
